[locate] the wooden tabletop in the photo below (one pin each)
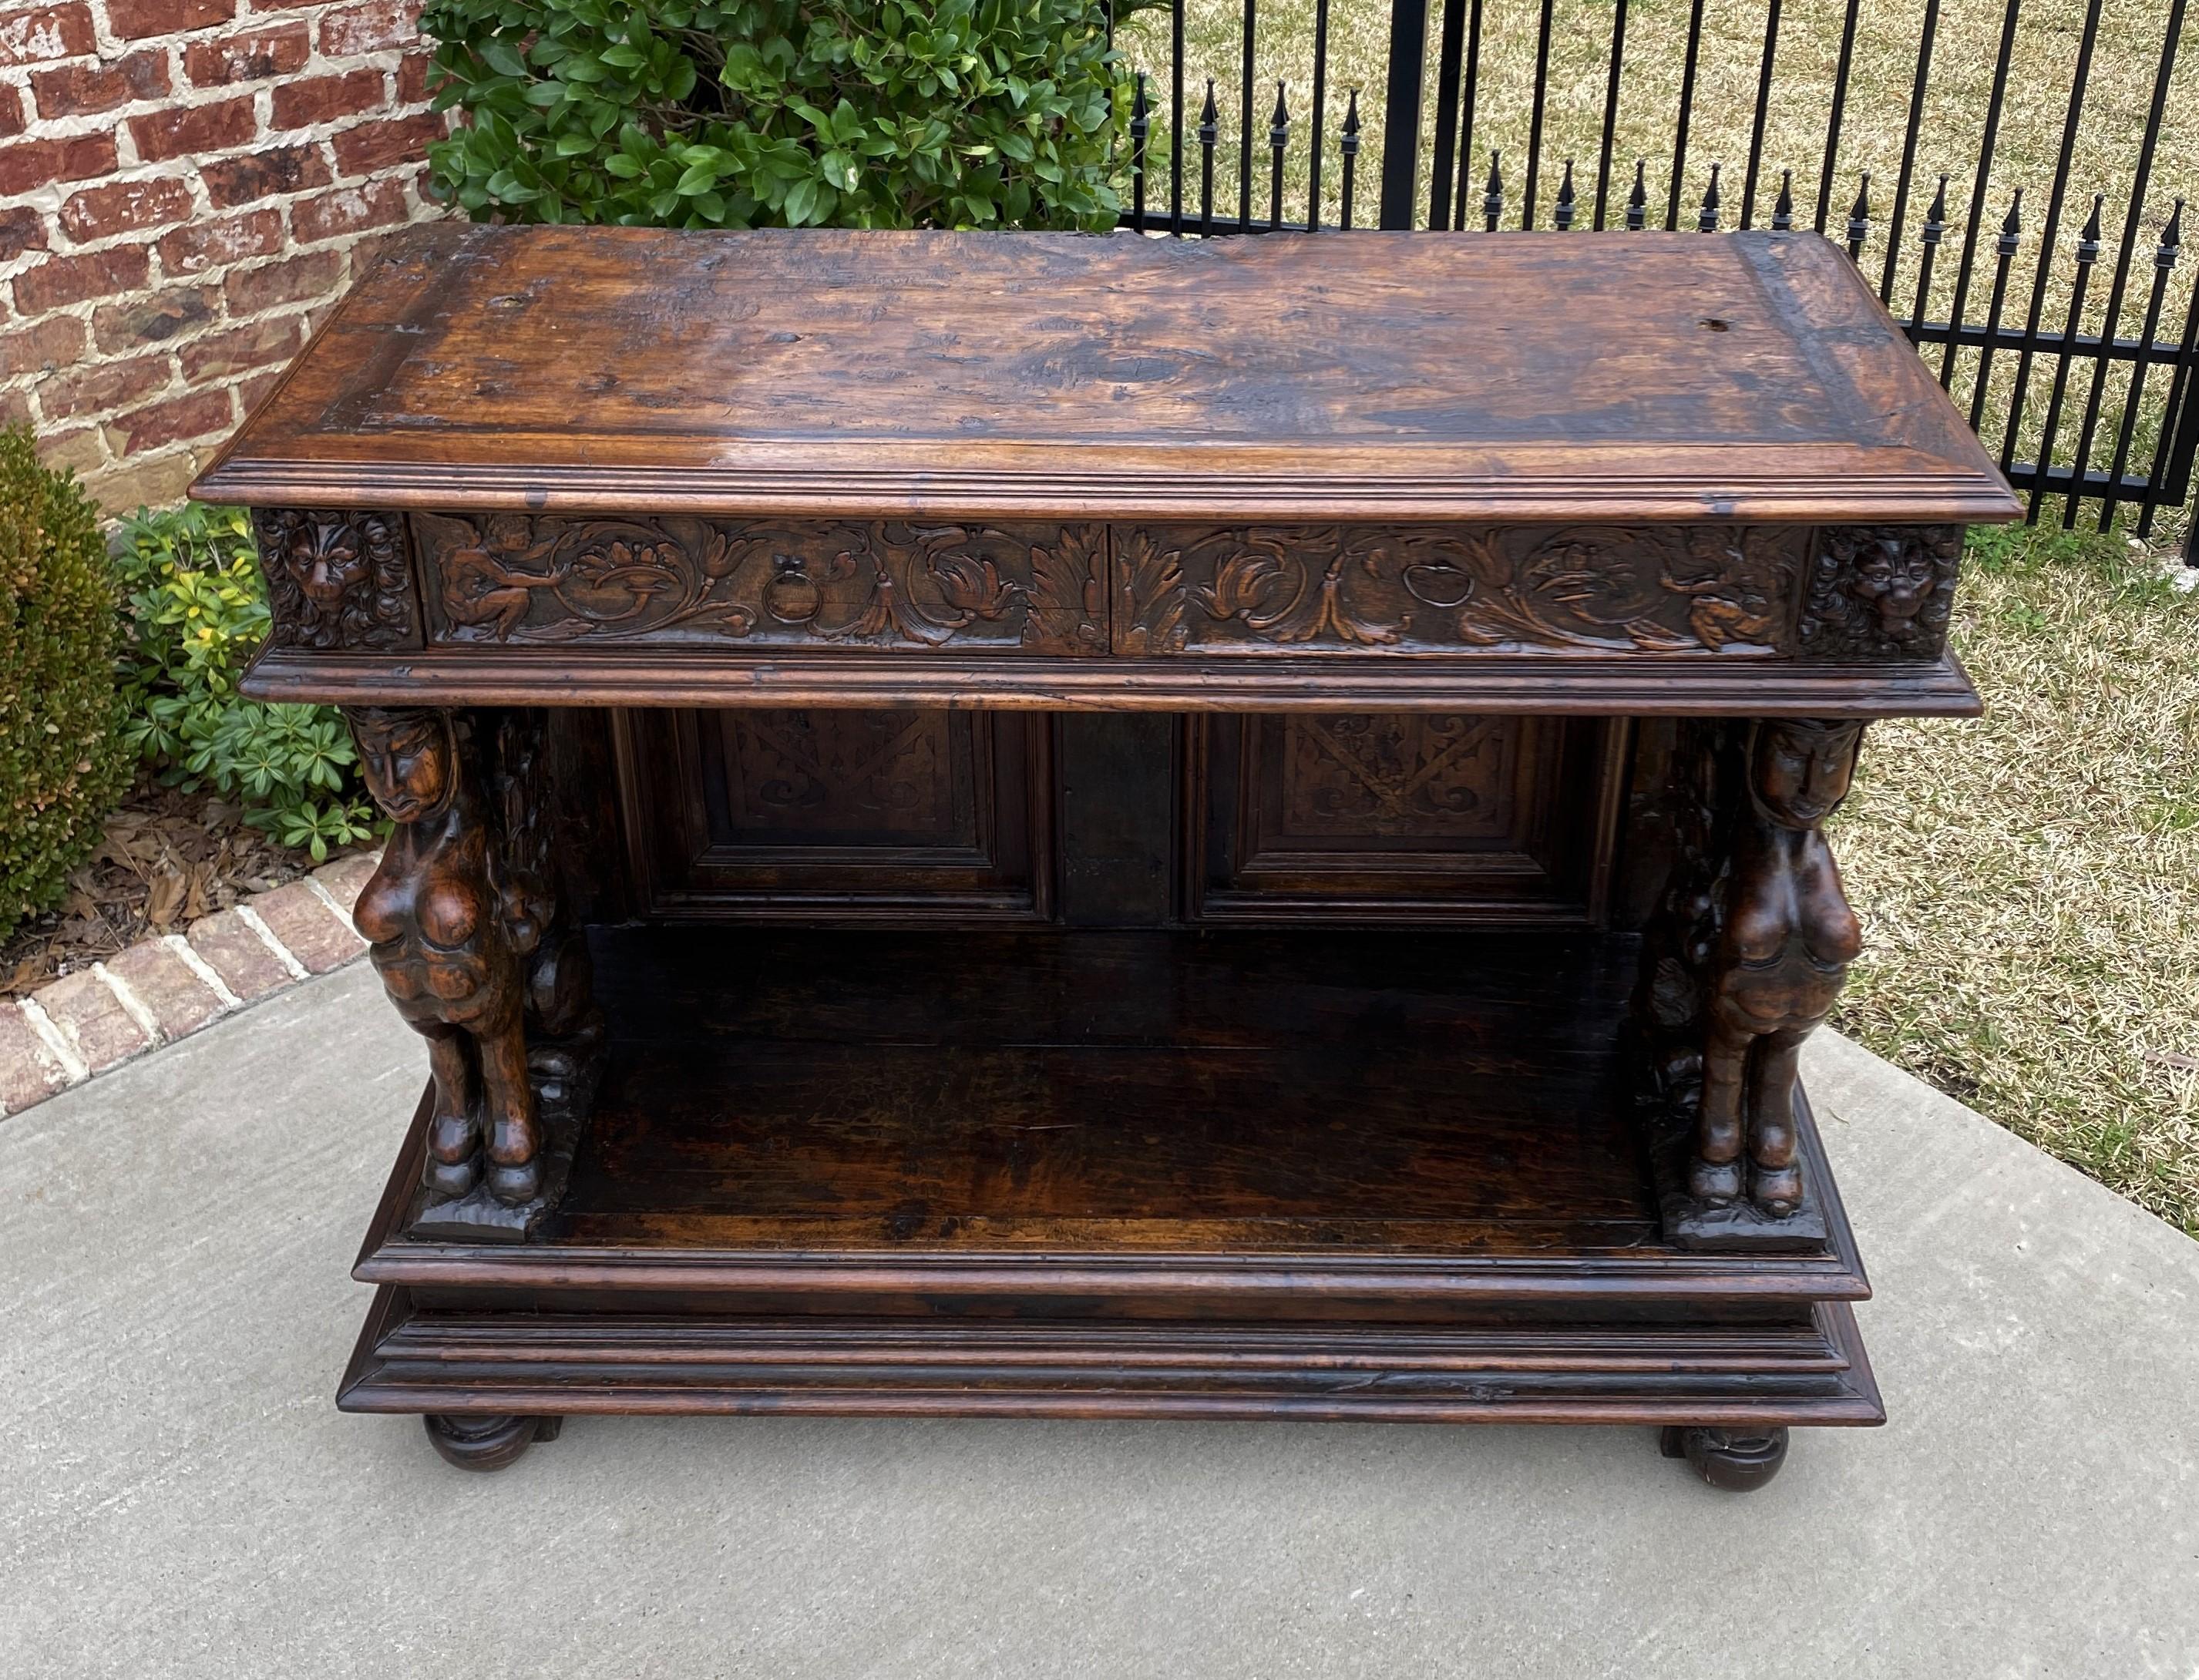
(1341, 375)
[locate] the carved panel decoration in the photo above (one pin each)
(839, 815)
(1424, 816)
(335, 580)
(871, 776)
(1427, 776)
(1332, 589)
(883, 584)
(1881, 592)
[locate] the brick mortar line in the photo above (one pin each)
(188, 172)
(42, 1053)
(185, 95)
(405, 173)
(252, 919)
(56, 1053)
(74, 1069)
(321, 892)
(132, 1004)
(209, 976)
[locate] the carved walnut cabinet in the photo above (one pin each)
(1102, 827)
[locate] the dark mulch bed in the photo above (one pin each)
(166, 858)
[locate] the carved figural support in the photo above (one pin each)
(1785, 939)
(451, 932)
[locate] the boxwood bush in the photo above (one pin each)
(779, 113)
(62, 762)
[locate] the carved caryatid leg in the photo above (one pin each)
(1751, 974)
(453, 1165)
(457, 918)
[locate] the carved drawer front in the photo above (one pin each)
(1415, 816)
(1301, 589)
(839, 816)
(529, 580)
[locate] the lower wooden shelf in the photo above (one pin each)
(1310, 1174)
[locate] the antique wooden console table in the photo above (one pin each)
(1098, 827)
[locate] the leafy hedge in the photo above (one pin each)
(62, 763)
(197, 613)
(779, 113)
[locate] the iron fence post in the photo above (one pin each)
(1401, 111)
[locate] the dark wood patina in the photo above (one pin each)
(1101, 827)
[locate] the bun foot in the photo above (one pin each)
(1736, 1460)
(487, 1443)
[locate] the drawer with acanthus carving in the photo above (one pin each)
(1727, 590)
(881, 584)
(386, 582)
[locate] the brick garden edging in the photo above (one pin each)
(168, 987)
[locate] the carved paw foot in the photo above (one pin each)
(487, 1443)
(1714, 1181)
(1777, 1190)
(515, 1172)
(1737, 1461)
(515, 1187)
(453, 1155)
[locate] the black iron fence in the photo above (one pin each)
(1990, 165)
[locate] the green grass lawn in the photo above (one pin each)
(2029, 881)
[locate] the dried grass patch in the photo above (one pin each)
(2030, 880)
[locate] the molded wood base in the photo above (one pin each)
(1748, 1378)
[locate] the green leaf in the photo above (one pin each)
(504, 58)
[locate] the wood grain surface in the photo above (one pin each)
(1381, 377)
(1312, 1124)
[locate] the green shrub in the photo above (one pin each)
(62, 763)
(779, 113)
(197, 612)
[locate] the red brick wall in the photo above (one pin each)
(185, 185)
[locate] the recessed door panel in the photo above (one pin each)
(838, 815)
(1415, 816)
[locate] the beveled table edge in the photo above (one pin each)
(1830, 499)
(1550, 684)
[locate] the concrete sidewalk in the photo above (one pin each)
(178, 1496)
